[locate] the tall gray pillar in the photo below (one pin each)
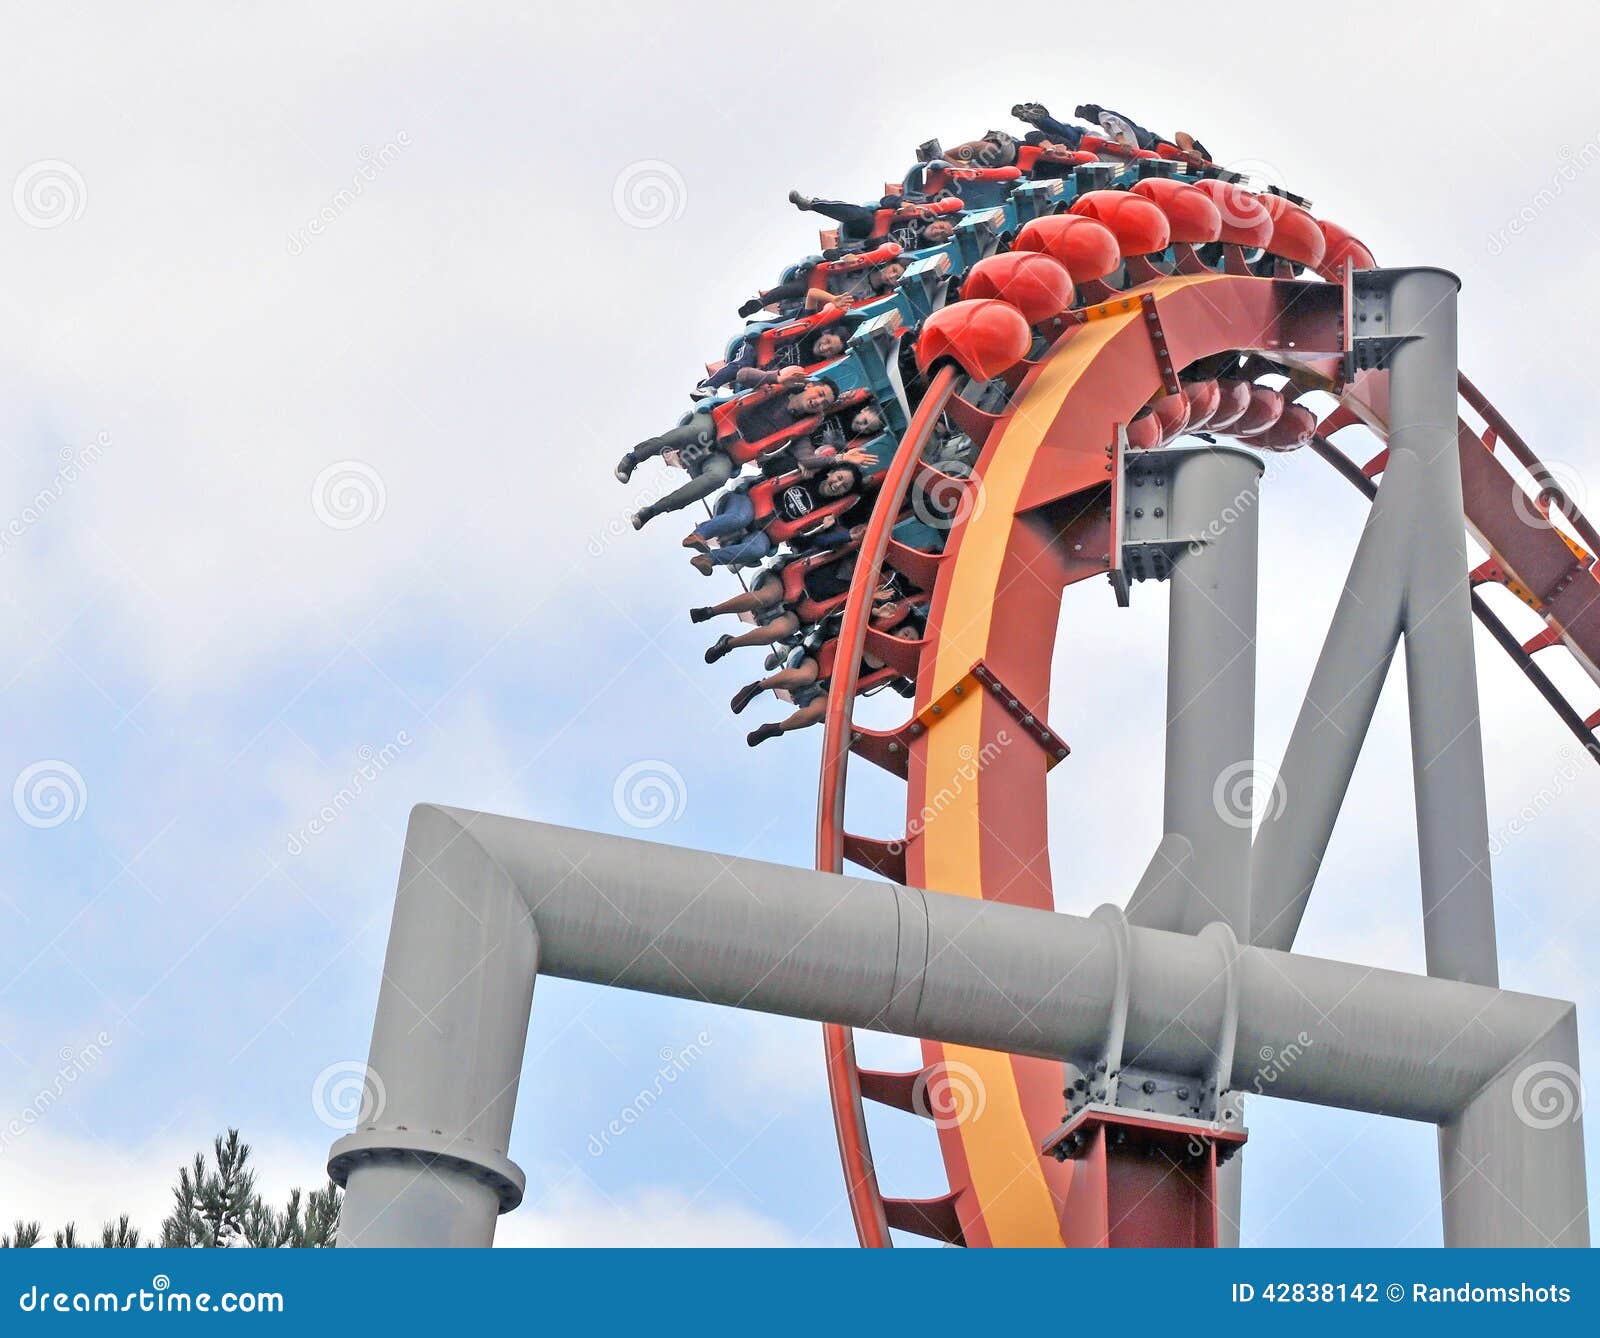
(427, 1162)
(1441, 677)
(1211, 773)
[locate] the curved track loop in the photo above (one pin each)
(976, 811)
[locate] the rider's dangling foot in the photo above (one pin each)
(800, 201)
(718, 648)
(626, 466)
(761, 735)
(744, 696)
(701, 615)
(701, 562)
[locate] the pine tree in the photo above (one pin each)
(214, 1206)
(24, 1236)
(209, 1206)
(119, 1235)
(221, 1208)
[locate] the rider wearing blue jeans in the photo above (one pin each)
(735, 514)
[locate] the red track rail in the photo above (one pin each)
(872, 1213)
(844, 1076)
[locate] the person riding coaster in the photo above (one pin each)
(843, 282)
(775, 601)
(758, 514)
(808, 343)
(893, 219)
(715, 440)
(805, 681)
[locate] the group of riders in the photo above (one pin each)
(790, 433)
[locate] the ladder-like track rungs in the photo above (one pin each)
(885, 858)
(887, 748)
(898, 1090)
(935, 1218)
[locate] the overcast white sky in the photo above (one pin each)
(468, 343)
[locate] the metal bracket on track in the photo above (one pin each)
(981, 677)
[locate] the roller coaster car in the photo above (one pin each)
(1093, 176)
(1050, 162)
(812, 604)
(872, 363)
(783, 344)
(1033, 199)
(979, 232)
(870, 679)
(731, 440)
(898, 225)
(829, 272)
(977, 187)
(766, 493)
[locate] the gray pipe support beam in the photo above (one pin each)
(486, 901)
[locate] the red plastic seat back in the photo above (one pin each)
(1087, 248)
(1245, 220)
(1192, 215)
(1296, 236)
(1139, 226)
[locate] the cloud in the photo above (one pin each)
(55, 1177)
(576, 1214)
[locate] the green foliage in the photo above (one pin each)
(24, 1236)
(214, 1206)
(119, 1235)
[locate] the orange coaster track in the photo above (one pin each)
(975, 751)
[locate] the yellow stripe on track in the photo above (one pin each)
(1003, 1161)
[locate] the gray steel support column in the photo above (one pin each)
(1409, 575)
(1504, 1163)
(427, 1165)
(1211, 772)
(1212, 777)
(1441, 674)
(427, 1162)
